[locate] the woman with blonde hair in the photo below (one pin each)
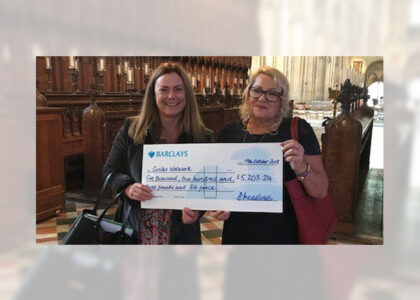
(169, 115)
(265, 118)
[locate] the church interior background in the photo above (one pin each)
(69, 160)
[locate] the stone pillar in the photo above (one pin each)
(296, 78)
(328, 76)
(320, 78)
(310, 76)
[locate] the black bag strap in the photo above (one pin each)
(125, 222)
(101, 193)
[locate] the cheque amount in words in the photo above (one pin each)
(216, 178)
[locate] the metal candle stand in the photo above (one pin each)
(130, 89)
(48, 71)
(146, 81)
(119, 76)
(101, 85)
(74, 84)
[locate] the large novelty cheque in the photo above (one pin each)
(233, 177)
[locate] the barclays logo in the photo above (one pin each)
(168, 154)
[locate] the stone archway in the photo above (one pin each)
(374, 72)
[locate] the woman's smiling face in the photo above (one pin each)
(170, 95)
(259, 107)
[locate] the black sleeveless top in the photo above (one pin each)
(267, 228)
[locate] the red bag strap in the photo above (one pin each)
(294, 128)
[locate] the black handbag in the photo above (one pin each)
(88, 228)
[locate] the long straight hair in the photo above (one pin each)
(190, 121)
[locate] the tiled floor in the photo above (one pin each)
(53, 230)
(211, 230)
(369, 218)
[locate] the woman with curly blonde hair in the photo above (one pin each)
(265, 118)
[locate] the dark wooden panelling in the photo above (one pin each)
(73, 105)
(50, 184)
(118, 105)
(213, 117)
(73, 146)
(94, 146)
(341, 152)
(230, 114)
(114, 121)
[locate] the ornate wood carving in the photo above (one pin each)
(76, 123)
(41, 100)
(365, 110)
(333, 94)
(67, 124)
(114, 121)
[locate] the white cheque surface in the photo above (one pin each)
(234, 177)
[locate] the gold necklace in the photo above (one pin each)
(273, 130)
(259, 141)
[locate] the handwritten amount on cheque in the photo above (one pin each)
(178, 178)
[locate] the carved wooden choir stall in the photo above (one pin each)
(346, 150)
(91, 115)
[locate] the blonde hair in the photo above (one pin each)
(190, 120)
(280, 82)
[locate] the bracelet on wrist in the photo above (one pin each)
(304, 174)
